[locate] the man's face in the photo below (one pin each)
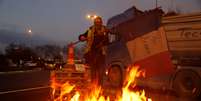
(98, 22)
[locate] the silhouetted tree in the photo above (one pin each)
(3, 62)
(51, 52)
(18, 53)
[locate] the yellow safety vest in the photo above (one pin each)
(90, 38)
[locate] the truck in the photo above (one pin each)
(182, 36)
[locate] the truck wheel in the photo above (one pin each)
(115, 75)
(187, 84)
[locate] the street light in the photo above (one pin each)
(29, 31)
(88, 16)
(91, 17)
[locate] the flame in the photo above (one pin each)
(93, 92)
(75, 97)
(129, 95)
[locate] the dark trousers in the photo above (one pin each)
(96, 60)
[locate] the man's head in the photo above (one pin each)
(98, 21)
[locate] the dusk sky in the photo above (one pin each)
(64, 20)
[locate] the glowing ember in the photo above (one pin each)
(93, 92)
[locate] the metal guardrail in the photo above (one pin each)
(22, 71)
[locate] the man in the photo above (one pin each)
(95, 51)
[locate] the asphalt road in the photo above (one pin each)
(31, 85)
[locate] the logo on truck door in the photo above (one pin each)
(191, 34)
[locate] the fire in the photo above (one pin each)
(93, 92)
(75, 97)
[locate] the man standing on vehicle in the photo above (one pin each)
(96, 38)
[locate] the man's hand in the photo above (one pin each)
(82, 38)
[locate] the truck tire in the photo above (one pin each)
(187, 84)
(115, 75)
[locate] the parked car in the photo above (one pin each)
(50, 65)
(30, 64)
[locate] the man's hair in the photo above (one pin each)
(98, 17)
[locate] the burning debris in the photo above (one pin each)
(93, 92)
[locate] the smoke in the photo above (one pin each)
(1, 2)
